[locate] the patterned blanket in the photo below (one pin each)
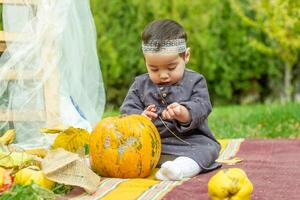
(148, 188)
(272, 165)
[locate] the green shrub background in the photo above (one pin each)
(219, 40)
(236, 72)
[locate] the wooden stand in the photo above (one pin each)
(50, 113)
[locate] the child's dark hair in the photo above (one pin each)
(162, 30)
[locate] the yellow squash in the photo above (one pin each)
(125, 147)
(230, 184)
(33, 174)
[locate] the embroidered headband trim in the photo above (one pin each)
(166, 46)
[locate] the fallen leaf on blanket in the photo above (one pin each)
(232, 161)
(8, 137)
(14, 159)
(72, 139)
(40, 152)
(53, 130)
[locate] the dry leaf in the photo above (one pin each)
(72, 139)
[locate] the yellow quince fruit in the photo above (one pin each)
(230, 184)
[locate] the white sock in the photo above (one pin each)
(169, 171)
(189, 167)
(181, 167)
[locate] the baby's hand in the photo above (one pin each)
(177, 112)
(150, 112)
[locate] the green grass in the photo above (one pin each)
(110, 113)
(256, 121)
(253, 121)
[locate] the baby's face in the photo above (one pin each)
(165, 69)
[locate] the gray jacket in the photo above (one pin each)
(191, 92)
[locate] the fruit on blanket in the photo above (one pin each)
(33, 174)
(72, 139)
(2, 172)
(8, 137)
(125, 147)
(6, 180)
(230, 184)
(40, 152)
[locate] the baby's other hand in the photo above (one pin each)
(150, 112)
(177, 112)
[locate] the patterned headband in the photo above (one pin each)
(166, 46)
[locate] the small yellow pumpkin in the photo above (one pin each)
(33, 174)
(125, 147)
(230, 184)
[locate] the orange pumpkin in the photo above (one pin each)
(125, 147)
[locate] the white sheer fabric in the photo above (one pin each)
(59, 38)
